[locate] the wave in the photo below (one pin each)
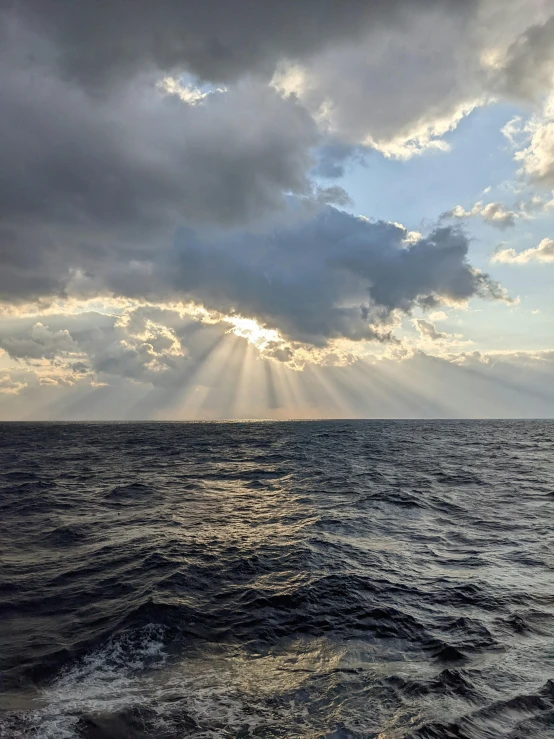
(516, 718)
(338, 580)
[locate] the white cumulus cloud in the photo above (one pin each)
(543, 252)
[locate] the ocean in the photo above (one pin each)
(338, 579)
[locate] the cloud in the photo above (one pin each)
(398, 54)
(422, 89)
(543, 252)
(329, 276)
(429, 334)
(535, 205)
(313, 278)
(86, 180)
(527, 68)
(130, 142)
(494, 214)
(428, 330)
(221, 40)
(129, 166)
(526, 72)
(39, 343)
(9, 385)
(533, 141)
(393, 76)
(498, 215)
(401, 91)
(537, 159)
(146, 344)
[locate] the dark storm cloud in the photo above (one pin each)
(329, 276)
(95, 41)
(142, 158)
(86, 179)
(382, 69)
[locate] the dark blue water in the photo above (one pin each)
(310, 579)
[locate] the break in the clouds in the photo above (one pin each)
(199, 154)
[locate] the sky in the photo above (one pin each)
(245, 210)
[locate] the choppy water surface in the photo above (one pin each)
(311, 579)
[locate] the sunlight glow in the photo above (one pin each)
(251, 330)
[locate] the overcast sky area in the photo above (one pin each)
(297, 209)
